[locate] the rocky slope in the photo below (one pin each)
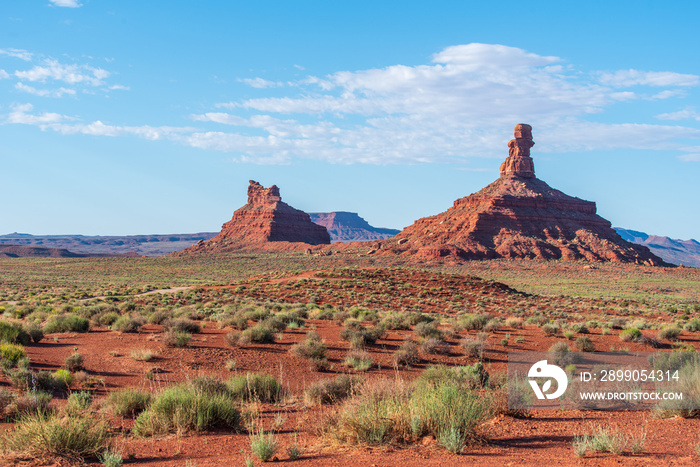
(264, 219)
(680, 252)
(518, 216)
(349, 227)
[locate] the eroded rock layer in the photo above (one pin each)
(265, 218)
(518, 216)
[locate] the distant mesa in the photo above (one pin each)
(350, 227)
(518, 216)
(24, 251)
(266, 218)
(679, 252)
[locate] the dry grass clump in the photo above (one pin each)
(331, 391)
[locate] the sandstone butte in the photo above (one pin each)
(518, 216)
(264, 219)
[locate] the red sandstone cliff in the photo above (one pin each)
(265, 218)
(518, 216)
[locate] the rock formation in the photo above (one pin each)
(349, 227)
(265, 218)
(518, 216)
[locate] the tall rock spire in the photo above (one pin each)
(519, 163)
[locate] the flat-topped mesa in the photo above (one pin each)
(519, 163)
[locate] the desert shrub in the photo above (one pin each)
(111, 458)
(66, 323)
(74, 362)
(515, 323)
(618, 323)
(78, 402)
(359, 360)
(469, 376)
(630, 334)
(157, 317)
(670, 333)
(62, 379)
(177, 338)
(407, 354)
(394, 322)
(108, 318)
(435, 346)
(142, 355)
(550, 329)
(650, 342)
(209, 385)
(12, 353)
(127, 323)
(312, 347)
(264, 445)
(261, 333)
(688, 366)
(256, 387)
(603, 440)
(561, 354)
(693, 325)
(30, 402)
(13, 333)
(579, 328)
(42, 435)
(475, 322)
(6, 398)
(584, 344)
(128, 402)
(473, 347)
(237, 321)
(358, 335)
(236, 339)
(426, 330)
(183, 408)
(35, 333)
(183, 325)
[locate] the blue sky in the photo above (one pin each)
(129, 117)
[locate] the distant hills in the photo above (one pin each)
(350, 227)
(140, 245)
(686, 252)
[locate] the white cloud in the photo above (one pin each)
(66, 3)
(119, 87)
(462, 104)
(690, 157)
(71, 74)
(625, 78)
(4, 74)
(19, 115)
(44, 92)
(260, 83)
(685, 114)
(17, 53)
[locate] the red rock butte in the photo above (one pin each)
(265, 218)
(518, 216)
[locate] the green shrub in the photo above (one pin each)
(128, 402)
(12, 353)
(42, 435)
(62, 379)
(177, 338)
(670, 333)
(561, 354)
(693, 325)
(473, 347)
(256, 387)
(311, 347)
(550, 329)
(261, 333)
(425, 330)
(78, 402)
(475, 322)
(182, 324)
(111, 458)
(263, 445)
(108, 318)
(74, 362)
(435, 346)
(359, 360)
(407, 354)
(182, 408)
(35, 333)
(209, 385)
(330, 391)
(630, 334)
(127, 323)
(13, 333)
(66, 323)
(584, 344)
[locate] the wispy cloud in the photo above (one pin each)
(66, 3)
(44, 92)
(71, 74)
(260, 83)
(462, 104)
(688, 113)
(17, 53)
(4, 74)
